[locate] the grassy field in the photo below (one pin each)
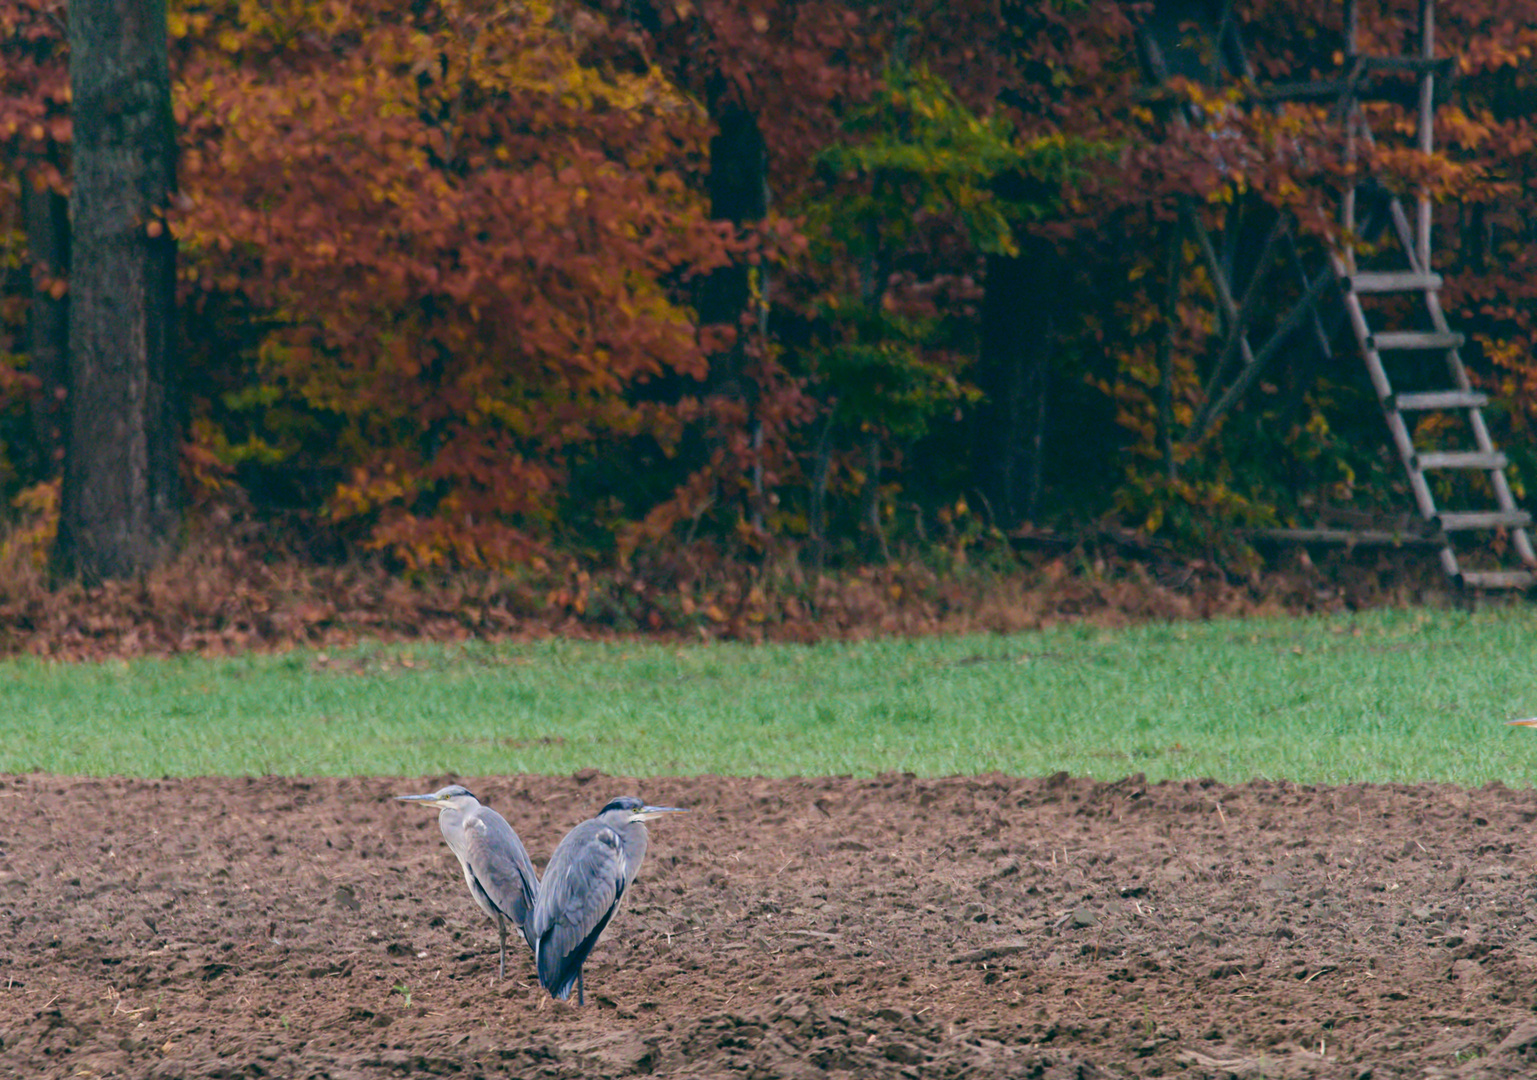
(1384, 696)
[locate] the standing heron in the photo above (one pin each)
(496, 867)
(583, 884)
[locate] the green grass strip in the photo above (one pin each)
(1385, 696)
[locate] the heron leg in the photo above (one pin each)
(581, 991)
(501, 926)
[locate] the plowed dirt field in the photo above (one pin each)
(893, 927)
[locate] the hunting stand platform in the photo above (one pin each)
(1382, 276)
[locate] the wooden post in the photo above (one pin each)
(1426, 127)
(1348, 199)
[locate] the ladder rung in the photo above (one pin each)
(1415, 339)
(1454, 521)
(1499, 579)
(1438, 399)
(1391, 281)
(1302, 91)
(1324, 89)
(1414, 64)
(1459, 459)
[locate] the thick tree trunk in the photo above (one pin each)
(119, 512)
(45, 217)
(1013, 372)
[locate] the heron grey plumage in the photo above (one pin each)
(585, 880)
(496, 866)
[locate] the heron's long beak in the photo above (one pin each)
(417, 798)
(1530, 721)
(646, 813)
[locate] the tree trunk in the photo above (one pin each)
(119, 512)
(45, 217)
(1174, 240)
(820, 469)
(871, 497)
(738, 194)
(1013, 372)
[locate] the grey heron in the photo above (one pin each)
(496, 866)
(585, 880)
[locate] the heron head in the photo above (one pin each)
(454, 795)
(637, 810)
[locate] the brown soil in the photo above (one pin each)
(892, 927)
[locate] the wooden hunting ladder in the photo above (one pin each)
(1398, 341)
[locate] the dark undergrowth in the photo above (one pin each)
(234, 593)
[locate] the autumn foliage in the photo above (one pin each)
(450, 270)
(471, 243)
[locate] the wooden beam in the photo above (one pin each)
(1203, 423)
(1347, 537)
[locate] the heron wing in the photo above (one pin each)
(582, 887)
(499, 867)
